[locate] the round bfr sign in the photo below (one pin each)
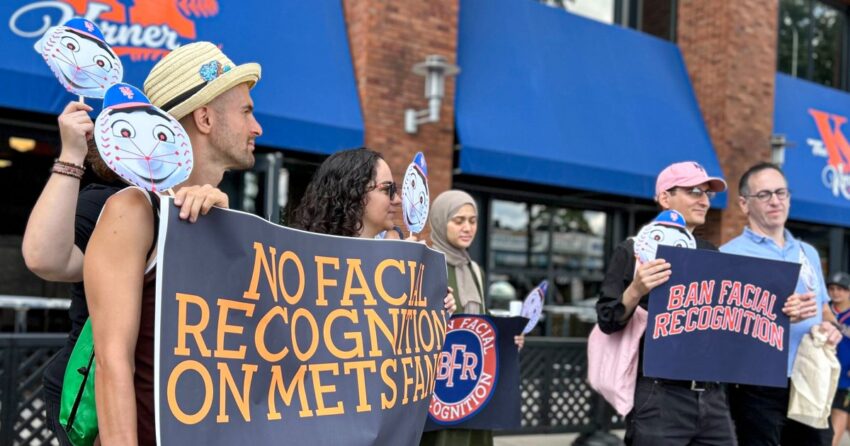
(466, 370)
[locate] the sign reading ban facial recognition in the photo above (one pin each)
(719, 318)
(269, 335)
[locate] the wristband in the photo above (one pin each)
(70, 171)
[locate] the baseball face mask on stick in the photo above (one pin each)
(79, 57)
(667, 229)
(140, 142)
(415, 197)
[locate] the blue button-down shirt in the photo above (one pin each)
(754, 245)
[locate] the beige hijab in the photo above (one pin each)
(444, 207)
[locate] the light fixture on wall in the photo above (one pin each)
(435, 69)
(778, 144)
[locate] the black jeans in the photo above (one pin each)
(760, 415)
(52, 408)
(671, 414)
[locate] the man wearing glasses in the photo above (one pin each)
(666, 412)
(760, 412)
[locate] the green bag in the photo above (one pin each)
(77, 413)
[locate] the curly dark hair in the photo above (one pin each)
(335, 199)
(98, 166)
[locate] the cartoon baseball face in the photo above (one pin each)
(667, 229)
(532, 306)
(140, 142)
(415, 198)
(80, 58)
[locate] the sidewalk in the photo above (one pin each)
(566, 439)
(541, 439)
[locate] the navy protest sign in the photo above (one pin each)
(478, 375)
(267, 334)
(719, 318)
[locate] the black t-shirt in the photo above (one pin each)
(89, 205)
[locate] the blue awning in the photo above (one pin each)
(307, 99)
(813, 119)
(548, 97)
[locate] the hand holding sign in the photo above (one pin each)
(80, 59)
(800, 306)
(718, 319)
(415, 198)
(532, 306)
(667, 229)
(141, 143)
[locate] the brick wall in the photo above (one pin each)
(387, 39)
(730, 52)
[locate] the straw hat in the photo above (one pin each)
(193, 75)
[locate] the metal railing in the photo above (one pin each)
(22, 304)
(555, 395)
(23, 358)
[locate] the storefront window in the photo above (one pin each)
(509, 234)
(532, 242)
(655, 17)
(812, 36)
(817, 236)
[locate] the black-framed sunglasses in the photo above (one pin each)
(695, 192)
(388, 187)
(765, 195)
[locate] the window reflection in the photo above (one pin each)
(509, 236)
(811, 41)
(532, 242)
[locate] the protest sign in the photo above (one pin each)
(719, 318)
(267, 334)
(478, 375)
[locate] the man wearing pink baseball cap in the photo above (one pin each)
(666, 411)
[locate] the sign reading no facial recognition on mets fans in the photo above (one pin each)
(269, 335)
(719, 318)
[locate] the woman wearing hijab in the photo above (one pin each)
(454, 222)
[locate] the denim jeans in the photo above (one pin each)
(668, 413)
(760, 415)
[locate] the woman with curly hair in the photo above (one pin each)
(352, 194)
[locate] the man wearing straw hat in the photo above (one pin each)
(209, 95)
(202, 88)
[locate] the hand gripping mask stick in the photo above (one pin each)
(667, 229)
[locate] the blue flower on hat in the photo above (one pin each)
(85, 26)
(212, 70)
(209, 71)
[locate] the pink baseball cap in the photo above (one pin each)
(687, 174)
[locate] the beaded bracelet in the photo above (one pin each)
(64, 169)
(66, 163)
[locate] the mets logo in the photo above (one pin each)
(467, 370)
(140, 30)
(833, 145)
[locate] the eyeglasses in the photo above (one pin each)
(388, 187)
(695, 192)
(765, 195)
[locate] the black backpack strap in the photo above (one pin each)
(86, 375)
(154, 198)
